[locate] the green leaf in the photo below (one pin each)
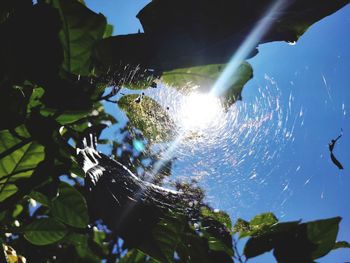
(76, 239)
(167, 235)
(149, 117)
(323, 233)
(99, 236)
(266, 240)
(67, 117)
(109, 31)
(216, 244)
(18, 210)
(341, 244)
(203, 78)
(7, 190)
(41, 198)
(70, 207)
(35, 98)
(284, 227)
(195, 248)
(242, 227)
(20, 156)
(308, 240)
(45, 231)
(82, 28)
(256, 246)
(219, 216)
(136, 256)
(260, 224)
(82, 248)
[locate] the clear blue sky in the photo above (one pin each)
(287, 169)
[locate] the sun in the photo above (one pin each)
(199, 110)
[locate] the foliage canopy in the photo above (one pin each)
(57, 59)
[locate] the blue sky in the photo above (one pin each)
(286, 169)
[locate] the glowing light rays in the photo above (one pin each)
(252, 40)
(224, 81)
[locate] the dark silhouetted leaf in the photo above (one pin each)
(40, 198)
(70, 207)
(36, 60)
(323, 233)
(341, 244)
(293, 242)
(82, 248)
(206, 32)
(256, 246)
(45, 231)
(9, 7)
(167, 236)
(13, 106)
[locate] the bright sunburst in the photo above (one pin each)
(199, 111)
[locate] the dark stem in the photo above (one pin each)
(107, 97)
(15, 147)
(17, 172)
(237, 254)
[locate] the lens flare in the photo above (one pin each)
(199, 111)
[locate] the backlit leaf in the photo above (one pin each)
(45, 231)
(23, 155)
(70, 207)
(82, 28)
(7, 190)
(219, 216)
(148, 116)
(203, 78)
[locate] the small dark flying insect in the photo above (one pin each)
(331, 148)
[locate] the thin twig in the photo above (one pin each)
(237, 255)
(112, 101)
(16, 172)
(113, 92)
(15, 147)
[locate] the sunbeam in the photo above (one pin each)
(225, 80)
(201, 109)
(197, 117)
